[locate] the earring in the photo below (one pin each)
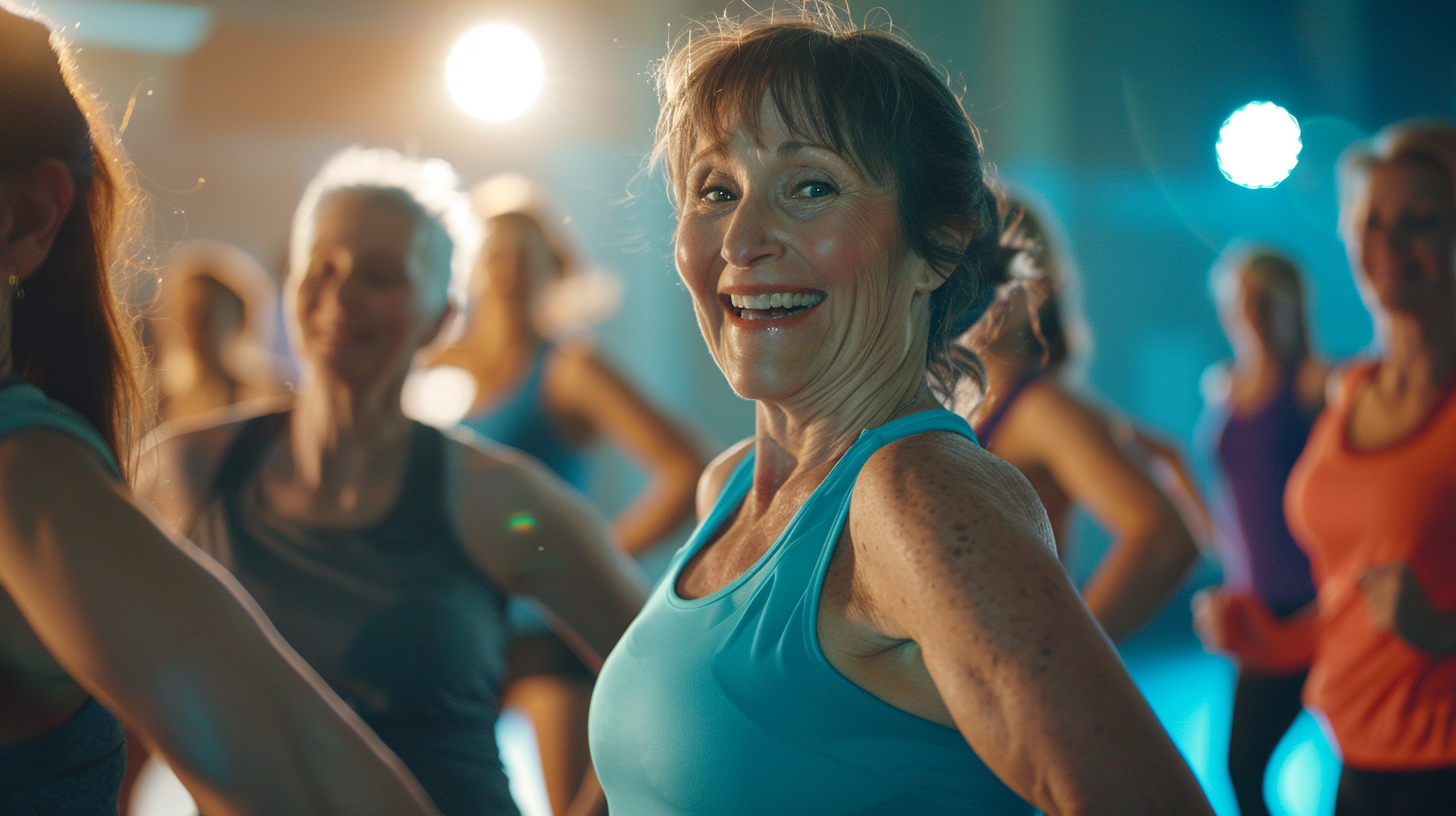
(15, 284)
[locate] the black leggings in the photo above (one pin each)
(1264, 708)
(1396, 793)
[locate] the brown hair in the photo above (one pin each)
(1034, 239)
(68, 335)
(873, 99)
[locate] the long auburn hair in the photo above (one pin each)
(69, 335)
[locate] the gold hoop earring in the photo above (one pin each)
(15, 285)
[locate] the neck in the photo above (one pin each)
(1420, 352)
(499, 328)
(1252, 357)
(337, 433)
(813, 434)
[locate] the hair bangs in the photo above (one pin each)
(818, 84)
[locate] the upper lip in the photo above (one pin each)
(766, 289)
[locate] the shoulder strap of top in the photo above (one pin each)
(988, 428)
(24, 406)
(422, 485)
(242, 455)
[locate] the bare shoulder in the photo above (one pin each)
(1216, 382)
(943, 491)
(716, 474)
(516, 519)
(1050, 412)
(213, 430)
(179, 458)
(1313, 382)
(491, 474)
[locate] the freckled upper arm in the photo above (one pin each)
(952, 548)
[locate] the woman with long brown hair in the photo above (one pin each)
(99, 606)
(1026, 411)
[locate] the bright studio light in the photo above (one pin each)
(1258, 145)
(494, 72)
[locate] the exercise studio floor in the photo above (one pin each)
(1190, 690)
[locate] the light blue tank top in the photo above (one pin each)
(726, 705)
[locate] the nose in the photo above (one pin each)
(750, 237)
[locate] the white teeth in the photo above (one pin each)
(776, 300)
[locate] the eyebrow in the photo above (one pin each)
(787, 148)
(791, 147)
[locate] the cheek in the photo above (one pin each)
(697, 252)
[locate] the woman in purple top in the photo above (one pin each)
(1260, 410)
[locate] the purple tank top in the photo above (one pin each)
(1256, 453)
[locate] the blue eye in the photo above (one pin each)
(717, 195)
(816, 189)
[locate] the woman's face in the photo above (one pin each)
(516, 261)
(1238, 307)
(1403, 241)
(799, 274)
(360, 305)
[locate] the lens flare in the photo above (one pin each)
(521, 523)
(1258, 145)
(494, 72)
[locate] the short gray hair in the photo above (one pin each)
(427, 185)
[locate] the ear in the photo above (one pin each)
(925, 277)
(38, 202)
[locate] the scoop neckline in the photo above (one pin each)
(1418, 431)
(719, 520)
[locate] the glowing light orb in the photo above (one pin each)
(494, 72)
(1258, 145)
(439, 396)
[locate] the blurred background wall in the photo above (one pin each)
(1109, 111)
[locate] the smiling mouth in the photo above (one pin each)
(772, 306)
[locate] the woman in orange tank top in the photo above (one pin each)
(1373, 498)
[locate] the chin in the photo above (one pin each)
(764, 383)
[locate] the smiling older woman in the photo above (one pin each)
(381, 548)
(871, 617)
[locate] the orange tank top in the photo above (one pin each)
(1389, 705)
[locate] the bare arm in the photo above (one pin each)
(1400, 606)
(163, 635)
(1152, 549)
(965, 568)
(531, 532)
(1177, 481)
(589, 389)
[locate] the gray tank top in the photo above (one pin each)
(394, 617)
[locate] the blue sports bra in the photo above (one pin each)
(74, 769)
(726, 704)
